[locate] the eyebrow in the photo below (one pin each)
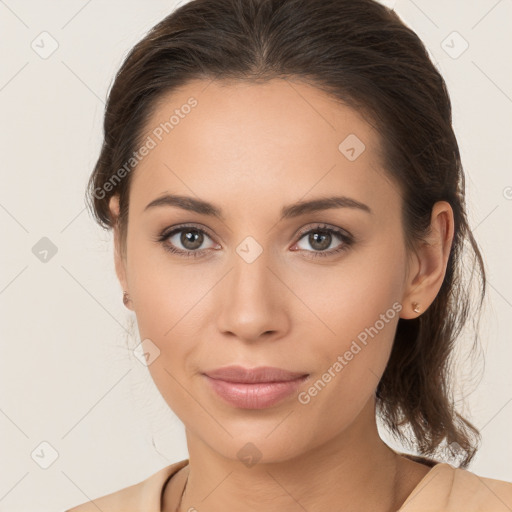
(287, 212)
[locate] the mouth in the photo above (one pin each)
(255, 388)
(259, 375)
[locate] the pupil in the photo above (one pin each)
(187, 239)
(315, 237)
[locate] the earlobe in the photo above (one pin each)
(113, 205)
(426, 278)
(119, 262)
(410, 304)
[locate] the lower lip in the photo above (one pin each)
(254, 396)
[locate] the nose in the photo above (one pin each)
(253, 300)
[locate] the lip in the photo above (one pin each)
(261, 374)
(254, 388)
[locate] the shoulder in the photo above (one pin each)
(144, 495)
(481, 491)
(448, 489)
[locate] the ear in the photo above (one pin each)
(119, 261)
(427, 266)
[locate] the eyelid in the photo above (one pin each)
(312, 226)
(346, 238)
(179, 227)
(323, 226)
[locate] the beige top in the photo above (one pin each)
(443, 489)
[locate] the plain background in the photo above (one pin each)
(67, 376)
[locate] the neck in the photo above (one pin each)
(355, 470)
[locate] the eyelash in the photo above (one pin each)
(345, 238)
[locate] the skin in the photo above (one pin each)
(251, 149)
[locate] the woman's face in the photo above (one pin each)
(264, 289)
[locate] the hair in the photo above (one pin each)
(361, 54)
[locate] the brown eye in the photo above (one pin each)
(321, 238)
(191, 239)
(186, 241)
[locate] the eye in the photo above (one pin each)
(192, 238)
(189, 237)
(322, 237)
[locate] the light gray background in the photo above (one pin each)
(67, 377)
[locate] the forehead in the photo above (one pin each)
(281, 139)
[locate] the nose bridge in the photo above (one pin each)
(251, 302)
(251, 276)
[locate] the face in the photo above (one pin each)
(314, 291)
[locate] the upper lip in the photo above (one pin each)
(253, 375)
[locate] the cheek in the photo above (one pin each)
(352, 294)
(350, 363)
(166, 289)
(360, 303)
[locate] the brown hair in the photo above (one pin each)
(363, 55)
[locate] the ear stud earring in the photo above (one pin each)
(415, 307)
(126, 298)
